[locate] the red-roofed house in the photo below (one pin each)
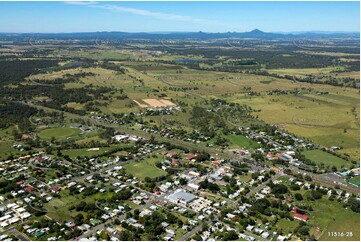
(55, 189)
(190, 157)
(275, 169)
(216, 163)
(243, 152)
(29, 189)
(301, 217)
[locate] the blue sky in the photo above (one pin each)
(48, 17)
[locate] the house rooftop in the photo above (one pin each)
(182, 195)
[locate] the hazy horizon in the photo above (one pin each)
(175, 32)
(210, 17)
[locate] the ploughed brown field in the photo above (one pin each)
(146, 103)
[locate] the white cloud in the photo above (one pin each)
(158, 15)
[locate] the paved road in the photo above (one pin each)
(103, 225)
(262, 185)
(20, 236)
(13, 230)
(191, 233)
(194, 231)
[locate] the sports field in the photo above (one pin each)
(144, 168)
(58, 133)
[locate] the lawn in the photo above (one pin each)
(6, 150)
(90, 139)
(355, 180)
(72, 153)
(347, 222)
(320, 156)
(58, 209)
(241, 141)
(287, 226)
(245, 178)
(58, 133)
(144, 168)
(332, 217)
(283, 179)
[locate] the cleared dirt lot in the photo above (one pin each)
(145, 103)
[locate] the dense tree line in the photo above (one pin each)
(209, 185)
(16, 70)
(271, 59)
(15, 113)
(58, 96)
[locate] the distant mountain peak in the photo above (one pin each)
(257, 31)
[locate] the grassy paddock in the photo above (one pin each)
(320, 156)
(287, 226)
(325, 119)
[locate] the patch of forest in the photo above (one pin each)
(16, 70)
(15, 113)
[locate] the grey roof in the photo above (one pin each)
(182, 195)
